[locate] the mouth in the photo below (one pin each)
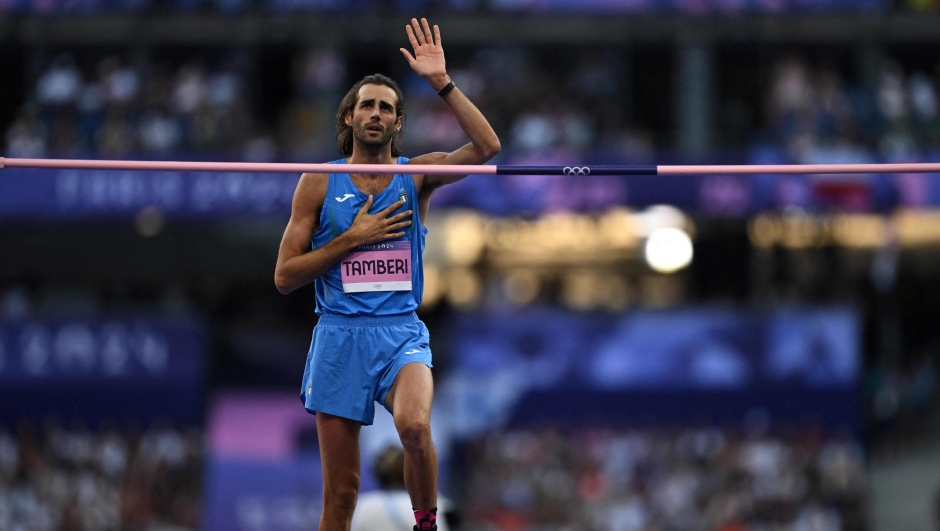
(375, 128)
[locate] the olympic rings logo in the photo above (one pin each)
(576, 170)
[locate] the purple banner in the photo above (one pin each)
(72, 194)
(78, 194)
(95, 353)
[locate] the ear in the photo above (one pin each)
(398, 124)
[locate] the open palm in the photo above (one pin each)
(428, 59)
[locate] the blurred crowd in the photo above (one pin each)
(647, 480)
(118, 110)
(74, 479)
(816, 115)
(459, 6)
(113, 108)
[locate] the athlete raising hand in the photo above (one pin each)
(360, 238)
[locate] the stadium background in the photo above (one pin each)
(784, 379)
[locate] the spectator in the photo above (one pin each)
(652, 479)
(389, 509)
(74, 479)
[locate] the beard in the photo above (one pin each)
(361, 134)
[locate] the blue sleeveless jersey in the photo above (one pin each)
(340, 207)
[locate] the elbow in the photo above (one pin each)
(492, 148)
(283, 286)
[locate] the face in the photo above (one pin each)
(373, 119)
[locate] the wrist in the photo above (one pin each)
(438, 82)
(348, 240)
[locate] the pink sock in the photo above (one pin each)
(426, 519)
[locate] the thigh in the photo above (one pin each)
(412, 393)
(339, 450)
(338, 378)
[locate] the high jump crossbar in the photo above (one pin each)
(486, 169)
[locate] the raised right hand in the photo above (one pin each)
(372, 228)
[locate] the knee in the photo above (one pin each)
(415, 434)
(341, 498)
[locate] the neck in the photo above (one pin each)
(371, 154)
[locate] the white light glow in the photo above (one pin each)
(668, 250)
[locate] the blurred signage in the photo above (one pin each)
(72, 193)
(673, 350)
(91, 193)
(263, 496)
(549, 366)
(95, 353)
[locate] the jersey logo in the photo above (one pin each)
(413, 351)
(345, 197)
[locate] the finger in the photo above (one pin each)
(396, 226)
(366, 206)
(393, 207)
(397, 217)
(394, 235)
(411, 36)
(437, 35)
(427, 31)
(408, 57)
(418, 32)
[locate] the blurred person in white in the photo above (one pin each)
(160, 132)
(26, 138)
(389, 508)
(189, 89)
(61, 83)
(120, 84)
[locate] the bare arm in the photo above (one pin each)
(297, 265)
(428, 62)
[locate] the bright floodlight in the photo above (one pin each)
(668, 250)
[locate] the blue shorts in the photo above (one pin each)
(353, 362)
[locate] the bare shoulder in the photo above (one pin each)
(311, 190)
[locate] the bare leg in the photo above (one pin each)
(410, 400)
(339, 454)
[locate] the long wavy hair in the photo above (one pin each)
(344, 133)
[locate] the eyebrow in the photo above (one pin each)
(372, 100)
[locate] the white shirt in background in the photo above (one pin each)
(390, 510)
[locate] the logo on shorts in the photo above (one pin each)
(309, 389)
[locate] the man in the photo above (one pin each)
(360, 238)
(388, 509)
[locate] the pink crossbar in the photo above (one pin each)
(795, 169)
(256, 167)
(580, 170)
